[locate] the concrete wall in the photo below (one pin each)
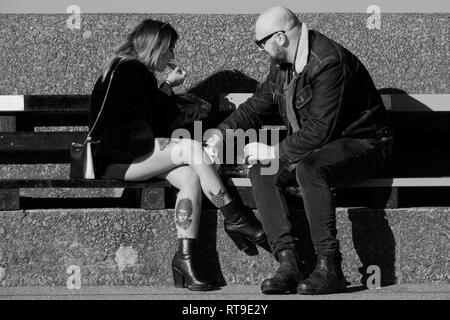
(39, 54)
(135, 247)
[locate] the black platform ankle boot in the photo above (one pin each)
(184, 270)
(326, 278)
(244, 229)
(288, 275)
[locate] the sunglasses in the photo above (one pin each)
(260, 43)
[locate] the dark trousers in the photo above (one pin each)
(342, 160)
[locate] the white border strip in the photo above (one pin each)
(381, 182)
(12, 103)
(397, 102)
(417, 102)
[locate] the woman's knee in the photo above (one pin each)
(191, 151)
(188, 179)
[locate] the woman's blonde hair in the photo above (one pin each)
(146, 43)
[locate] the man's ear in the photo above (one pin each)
(282, 39)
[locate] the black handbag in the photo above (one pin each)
(81, 161)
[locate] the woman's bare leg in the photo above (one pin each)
(188, 205)
(191, 152)
(170, 154)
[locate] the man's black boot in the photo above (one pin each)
(326, 278)
(289, 274)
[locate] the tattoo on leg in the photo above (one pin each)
(166, 142)
(183, 214)
(218, 199)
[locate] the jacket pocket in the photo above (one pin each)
(277, 96)
(304, 96)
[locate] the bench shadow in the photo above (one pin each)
(399, 97)
(424, 149)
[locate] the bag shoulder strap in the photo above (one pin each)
(88, 138)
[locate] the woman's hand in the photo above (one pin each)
(176, 77)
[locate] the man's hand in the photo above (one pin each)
(257, 151)
(214, 139)
(214, 143)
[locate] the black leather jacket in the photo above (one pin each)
(334, 97)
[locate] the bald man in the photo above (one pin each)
(337, 131)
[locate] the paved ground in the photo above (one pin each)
(396, 292)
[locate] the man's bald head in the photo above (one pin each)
(275, 19)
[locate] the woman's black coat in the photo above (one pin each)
(135, 112)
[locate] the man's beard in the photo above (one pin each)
(285, 66)
(281, 61)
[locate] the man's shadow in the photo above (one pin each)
(372, 236)
(211, 89)
(374, 243)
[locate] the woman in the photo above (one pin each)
(133, 144)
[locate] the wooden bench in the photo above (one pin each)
(421, 156)
(39, 129)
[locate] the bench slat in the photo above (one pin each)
(417, 102)
(11, 103)
(228, 102)
(39, 141)
(403, 182)
(50, 103)
(44, 103)
(393, 102)
(237, 182)
(70, 183)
